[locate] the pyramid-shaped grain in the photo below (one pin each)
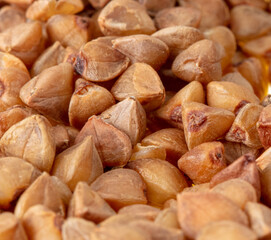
(128, 116)
(204, 124)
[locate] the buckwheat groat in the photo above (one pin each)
(161, 185)
(244, 127)
(237, 78)
(41, 223)
(44, 191)
(121, 187)
(235, 150)
(226, 39)
(99, 62)
(22, 43)
(16, 175)
(31, 139)
(249, 22)
(114, 17)
(112, 153)
(197, 210)
(12, 116)
(88, 99)
(76, 33)
(11, 16)
(259, 47)
(76, 228)
(43, 10)
(203, 123)
(143, 120)
(141, 81)
(171, 139)
(13, 75)
(214, 12)
(178, 38)
(252, 69)
(178, 16)
(128, 116)
(80, 162)
(244, 168)
(229, 95)
(203, 162)
(199, 62)
(239, 191)
(52, 56)
(40, 94)
(88, 204)
(144, 49)
(11, 228)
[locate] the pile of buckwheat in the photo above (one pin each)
(135, 120)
